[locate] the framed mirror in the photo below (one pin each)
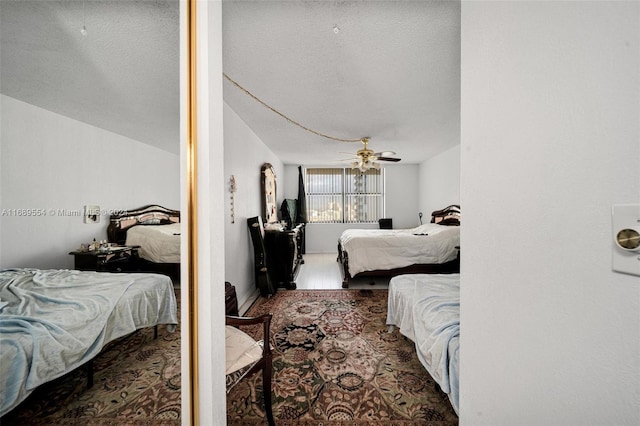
(98, 87)
(269, 199)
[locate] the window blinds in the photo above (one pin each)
(338, 195)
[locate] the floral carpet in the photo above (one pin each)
(335, 363)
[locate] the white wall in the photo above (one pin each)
(244, 155)
(289, 183)
(402, 189)
(401, 186)
(52, 162)
(439, 182)
(550, 140)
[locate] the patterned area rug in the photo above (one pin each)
(136, 382)
(336, 364)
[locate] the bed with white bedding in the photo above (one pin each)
(158, 243)
(428, 248)
(426, 309)
(53, 321)
(156, 232)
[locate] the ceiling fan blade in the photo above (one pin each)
(384, 153)
(391, 159)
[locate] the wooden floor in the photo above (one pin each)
(322, 272)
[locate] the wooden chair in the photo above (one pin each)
(245, 356)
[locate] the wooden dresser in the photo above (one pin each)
(284, 255)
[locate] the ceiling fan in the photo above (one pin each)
(368, 159)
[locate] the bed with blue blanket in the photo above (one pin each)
(426, 309)
(53, 321)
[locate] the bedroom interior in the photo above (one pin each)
(509, 167)
(99, 123)
(530, 138)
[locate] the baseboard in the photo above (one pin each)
(249, 302)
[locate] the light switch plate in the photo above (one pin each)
(625, 231)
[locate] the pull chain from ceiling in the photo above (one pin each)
(290, 120)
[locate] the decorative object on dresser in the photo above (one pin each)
(261, 273)
(156, 230)
(107, 259)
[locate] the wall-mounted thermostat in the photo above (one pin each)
(626, 238)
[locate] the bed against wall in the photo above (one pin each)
(428, 248)
(156, 230)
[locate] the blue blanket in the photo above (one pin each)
(426, 309)
(52, 321)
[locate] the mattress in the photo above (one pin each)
(158, 243)
(383, 249)
(426, 309)
(53, 321)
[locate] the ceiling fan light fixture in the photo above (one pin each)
(368, 159)
(364, 165)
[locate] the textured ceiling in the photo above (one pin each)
(385, 69)
(391, 71)
(123, 76)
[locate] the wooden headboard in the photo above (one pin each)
(450, 215)
(147, 215)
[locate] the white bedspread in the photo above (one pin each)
(426, 309)
(53, 321)
(158, 243)
(374, 249)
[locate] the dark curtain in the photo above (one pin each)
(301, 203)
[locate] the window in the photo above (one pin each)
(344, 195)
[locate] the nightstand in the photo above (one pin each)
(114, 259)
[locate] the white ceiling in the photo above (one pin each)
(391, 71)
(123, 76)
